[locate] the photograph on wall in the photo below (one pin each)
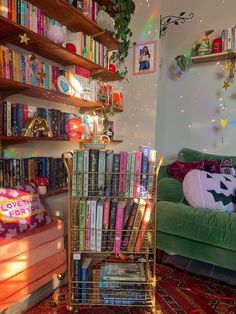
(145, 55)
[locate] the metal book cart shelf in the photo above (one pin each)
(109, 266)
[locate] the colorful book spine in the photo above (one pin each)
(129, 224)
(75, 222)
(136, 225)
(99, 224)
(128, 173)
(112, 224)
(86, 169)
(151, 175)
(119, 225)
(93, 172)
(88, 225)
(93, 225)
(122, 176)
(132, 169)
(77, 278)
(144, 227)
(108, 178)
(144, 170)
(101, 172)
(137, 173)
(105, 224)
(82, 224)
(74, 177)
(80, 174)
(115, 174)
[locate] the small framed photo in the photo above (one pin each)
(145, 55)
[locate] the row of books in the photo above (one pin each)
(88, 47)
(24, 13)
(117, 284)
(111, 225)
(17, 172)
(19, 67)
(89, 7)
(106, 173)
(13, 118)
(228, 39)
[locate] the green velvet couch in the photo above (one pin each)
(197, 233)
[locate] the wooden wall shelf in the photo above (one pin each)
(75, 20)
(13, 140)
(210, 58)
(44, 47)
(10, 87)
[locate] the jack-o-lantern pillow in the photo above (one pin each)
(210, 190)
(20, 212)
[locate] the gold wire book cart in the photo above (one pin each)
(110, 265)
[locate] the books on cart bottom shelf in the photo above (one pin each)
(111, 284)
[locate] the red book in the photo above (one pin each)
(144, 226)
(10, 10)
(129, 225)
(25, 113)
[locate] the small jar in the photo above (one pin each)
(217, 45)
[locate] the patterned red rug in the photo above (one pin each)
(177, 293)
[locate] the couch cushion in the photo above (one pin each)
(214, 191)
(203, 225)
(170, 190)
(189, 155)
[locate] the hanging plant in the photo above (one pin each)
(122, 10)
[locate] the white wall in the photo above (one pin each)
(137, 124)
(199, 90)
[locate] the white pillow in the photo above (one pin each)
(210, 190)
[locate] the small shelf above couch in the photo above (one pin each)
(211, 58)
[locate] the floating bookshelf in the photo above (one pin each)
(54, 192)
(44, 47)
(211, 57)
(10, 140)
(75, 20)
(10, 87)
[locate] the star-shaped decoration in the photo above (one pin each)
(226, 85)
(224, 122)
(9, 56)
(24, 39)
(42, 75)
(32, 57)
(228, 66)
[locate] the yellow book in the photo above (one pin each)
(0, 7)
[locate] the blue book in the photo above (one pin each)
(144, 170)
(20, 118)
(14, 122)
(86, 270)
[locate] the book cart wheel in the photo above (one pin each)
(111, 232)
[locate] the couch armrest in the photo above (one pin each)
(170, 189)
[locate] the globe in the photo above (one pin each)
(75, 128)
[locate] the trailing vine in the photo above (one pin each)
(123, 10)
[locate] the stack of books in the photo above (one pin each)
(123, 284)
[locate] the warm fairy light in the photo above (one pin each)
(153, 156)
(148, 212)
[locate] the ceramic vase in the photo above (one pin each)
(55, 33)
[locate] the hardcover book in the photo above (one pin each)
(124, 272)
(108, 178)
(119, 225)
(105, 224)
(99, 224)
(93, 172)
(115, 174)
(112, 223)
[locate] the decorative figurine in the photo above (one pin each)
(75, 128)
(55, 33)
(105, 21)
(36, 127)
(202, 47)
(41, 183)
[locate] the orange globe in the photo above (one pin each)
(75, 128)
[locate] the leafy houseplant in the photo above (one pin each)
(122, 10)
